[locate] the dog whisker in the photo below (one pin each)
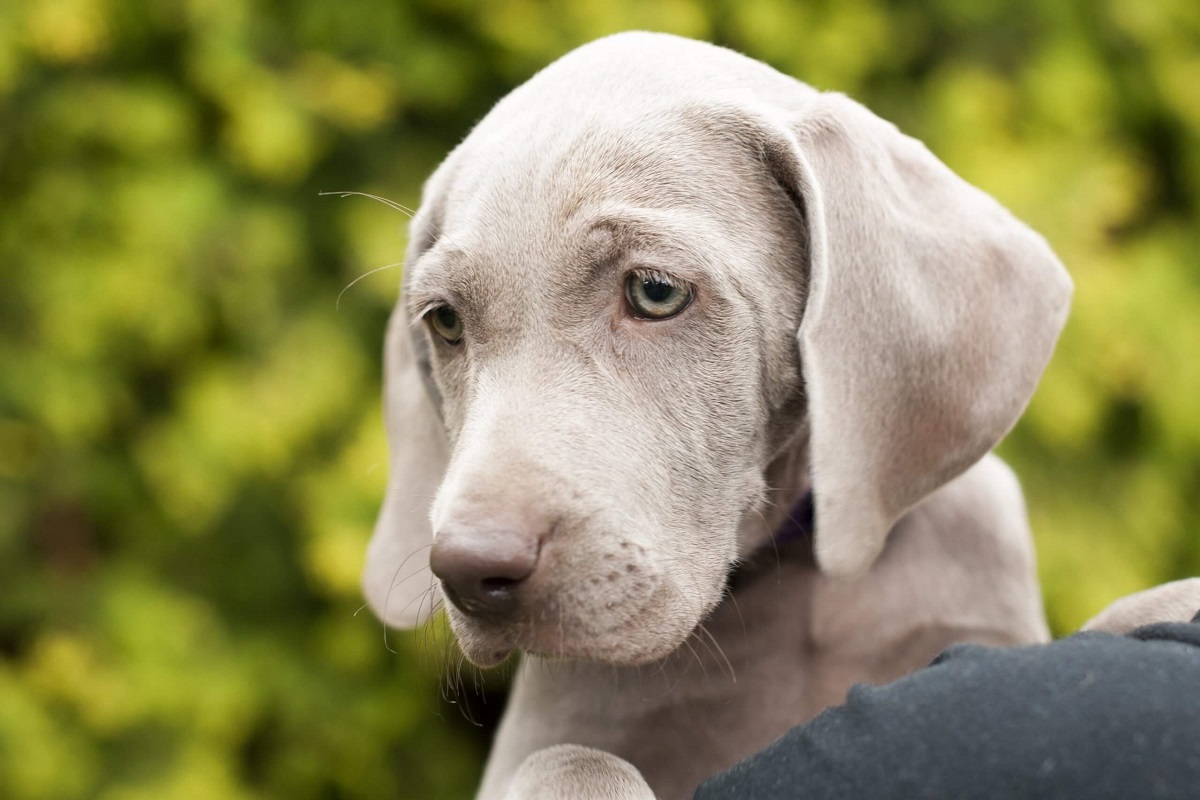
(696, 658)
(388, 597)
(337, 304)
(674, 681)
(719, 651)
(392, 204)
(403, 209)
(730, 598)
(428, 630)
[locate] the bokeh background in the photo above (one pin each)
(191, 452)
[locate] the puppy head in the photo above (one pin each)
(648, 274)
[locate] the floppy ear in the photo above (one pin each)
(930, 316)
(397, 581)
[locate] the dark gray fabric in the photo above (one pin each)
(1094, 715)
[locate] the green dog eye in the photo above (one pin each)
(656, 297)
(446, 323)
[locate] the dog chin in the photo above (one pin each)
(481, 647)
(486, 652)
(628, 646)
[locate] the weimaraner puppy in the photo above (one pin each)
(690, 397)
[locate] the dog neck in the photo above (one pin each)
(723, 683)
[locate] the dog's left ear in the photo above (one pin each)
(930, 316)
(397, 581)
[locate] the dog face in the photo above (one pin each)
(609, 346)
(648, 274)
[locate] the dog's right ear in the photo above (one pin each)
(930, 315)
(397, 581)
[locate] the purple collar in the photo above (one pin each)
(799, 522)
(797, 528)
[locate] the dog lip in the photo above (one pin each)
(498, 657)
(487, 658)
(618, 644)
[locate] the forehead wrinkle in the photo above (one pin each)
(422, 285)
(435, 278)
(427, 265)
(654, 238)
(579, 244)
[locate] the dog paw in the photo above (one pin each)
(580, 773)
(1178, 601)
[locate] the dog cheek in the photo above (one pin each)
(611, 584)
(673, 600)
(662, 627)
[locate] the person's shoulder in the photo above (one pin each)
(1182, 632)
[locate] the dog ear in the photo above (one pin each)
(397, 581)
(931, 313)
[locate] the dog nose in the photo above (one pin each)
(482, 569)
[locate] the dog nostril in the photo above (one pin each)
(498, 584)
(497, 596)
(489, 598)
(499, 593)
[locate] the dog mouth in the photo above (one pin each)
(644, 626)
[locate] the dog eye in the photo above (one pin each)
(656, 296)
(446, 323)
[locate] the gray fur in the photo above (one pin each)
(1177, 601)
(861, 316)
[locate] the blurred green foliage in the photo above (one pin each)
(191, 454)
